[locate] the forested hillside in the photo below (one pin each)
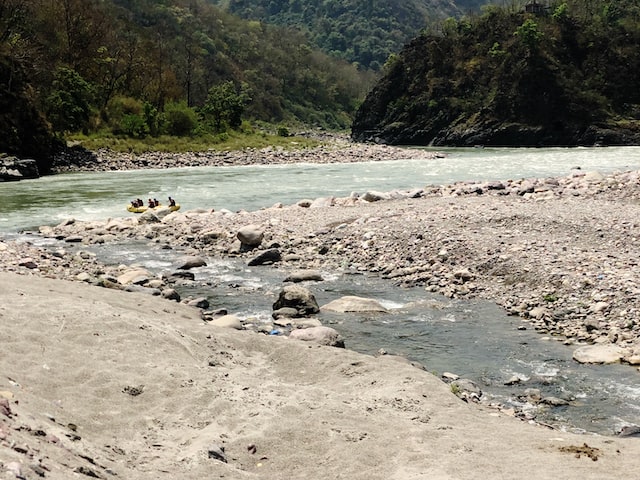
(145, 67)
(564, 75)
(364, 32)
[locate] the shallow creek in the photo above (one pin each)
(475, 340)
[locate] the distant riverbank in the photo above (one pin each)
(336, 149)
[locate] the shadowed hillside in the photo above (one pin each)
(566, 75)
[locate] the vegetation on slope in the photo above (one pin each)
(363, 32)
(142, 68)
(569, 74)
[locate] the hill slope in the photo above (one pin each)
(91, 65)
(565, 76)
(364, 32)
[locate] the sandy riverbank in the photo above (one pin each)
(107, 384)
(150, 389)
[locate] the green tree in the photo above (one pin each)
(529, 34)
(70, 100)
(180, 118)
(225, 104)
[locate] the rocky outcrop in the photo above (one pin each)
(13, 169)
(25, 131)
(480, 84)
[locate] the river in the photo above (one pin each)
(473, 339)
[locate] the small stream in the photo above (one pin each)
(475, 340)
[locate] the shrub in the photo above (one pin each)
(134, 126)
(180, 119)
(283, 131)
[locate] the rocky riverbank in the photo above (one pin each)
(561, 253)
(164, 392)
(336, 149)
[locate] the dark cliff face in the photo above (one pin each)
(25, 132)
(483, 84)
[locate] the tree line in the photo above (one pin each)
(144, 67)
(511, 74)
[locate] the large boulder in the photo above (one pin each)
(12, 169)
(267, 257)
(251, 236)
(191, 261)
(351, 303)
(321, 335)
(297, 297)
(598, 354)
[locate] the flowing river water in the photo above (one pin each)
(475, 340)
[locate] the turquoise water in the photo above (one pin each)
(91, 196)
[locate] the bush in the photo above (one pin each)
(180, 119)
(119, 114)
(283, 131)
(134, 126)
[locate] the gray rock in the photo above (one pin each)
(200, 302)
(140, 289)
(148, 217)
(217, 453)
(28, 263)
(210, 236)
(466, 389)
(251, 235)
(286, 312)
(351, 303)
(134, 276)
(189, 262)
(227, 321)
(598, 354)
(171, 294)
(554, 401)
(73, 239)
(270, 256)
(372, 196)
(12, 169)
(321, 335)
(297, 297)
(304, 276)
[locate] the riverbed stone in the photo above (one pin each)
(210, 236)
(227, 321)
(304, 276)
(199, 302)
(285, 312)
(28, 263)
(373, 196)
(266, 257)
(352, 303)
(598, 354)
(148, 216)
(251, 235)
(134, 276)
(299, 298)
(171, 294)
(191, 261)
(321, 335)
